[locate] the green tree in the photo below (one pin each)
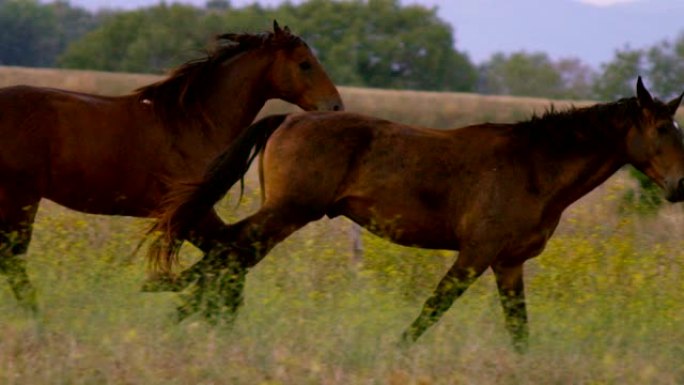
(72, 23)
(577, 79)
(665, 62)
(379, 43)
(217, 5)
(145, 40)
(618, 76)
(521, 74)
(374, 43)
(33, 34)
(28, 36)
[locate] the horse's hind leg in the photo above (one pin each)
(243, 245)
(16, 225)
(206, 236)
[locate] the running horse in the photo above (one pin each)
(119, 155)
(494, 192)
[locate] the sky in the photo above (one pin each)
(591, 30)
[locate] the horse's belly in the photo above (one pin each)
(399, 221)
(421, 231)
(423, 239)
(105, 201)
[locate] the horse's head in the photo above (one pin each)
(655, 144)
(297, 77)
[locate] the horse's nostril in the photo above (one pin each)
(336, 107)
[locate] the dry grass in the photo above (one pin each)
(432, 109)
(604, 299)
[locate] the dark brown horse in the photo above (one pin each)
(118, 155)
(493, 191)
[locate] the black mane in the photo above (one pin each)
(180, 96)
(597, 125)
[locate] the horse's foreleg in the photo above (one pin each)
(14, 241)
(509, 280)
(461, 275)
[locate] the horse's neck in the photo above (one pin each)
(239, 97)
(566, 180)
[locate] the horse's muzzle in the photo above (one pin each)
(332, 105)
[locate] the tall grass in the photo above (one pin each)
(605, 303)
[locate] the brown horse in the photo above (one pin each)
(493, 191)
(118, 155)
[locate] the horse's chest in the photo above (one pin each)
(528, 244)
(529, 247)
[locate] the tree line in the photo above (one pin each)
(365, 43)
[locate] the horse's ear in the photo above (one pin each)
(643, 96)
(287, 30)
(276, 28)
(673, 104)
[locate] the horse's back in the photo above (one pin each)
(74, 148)
(24, 139)
(383, 149)
(31, 123)
(38, 109)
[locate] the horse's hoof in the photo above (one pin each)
(405, 341)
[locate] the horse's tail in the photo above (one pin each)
(188, 203)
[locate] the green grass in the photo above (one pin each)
(604, 301)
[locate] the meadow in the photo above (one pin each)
(604, 299)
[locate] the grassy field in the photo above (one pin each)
(605, 299)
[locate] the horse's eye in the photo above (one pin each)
(305, 66)
(664, 128)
